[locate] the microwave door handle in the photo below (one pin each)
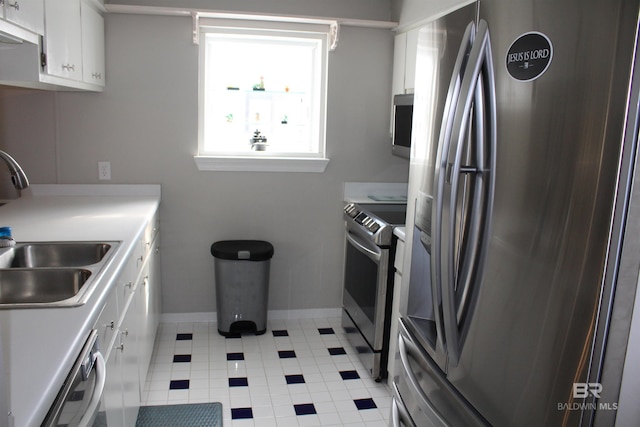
(94, 404)
(480, 65)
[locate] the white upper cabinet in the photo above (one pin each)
(27, 14)
(404, 62)
(93, 64)
(63, 39)
(67, 53)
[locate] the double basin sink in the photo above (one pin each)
(51, 274)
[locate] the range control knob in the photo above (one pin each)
(351, 210)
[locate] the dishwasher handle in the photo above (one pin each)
(94, 405)
(90, 358)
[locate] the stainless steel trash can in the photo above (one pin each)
(242, 285)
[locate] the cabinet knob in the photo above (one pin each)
(119, 347)
(128, 285)
(69, 67)
(15, 5)
(111, 325)
(97, 76)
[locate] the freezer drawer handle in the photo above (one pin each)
(399, 414)
(406, 347)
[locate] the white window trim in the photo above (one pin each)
(261, 164)
(317, 162)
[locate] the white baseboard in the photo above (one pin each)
(313, 313)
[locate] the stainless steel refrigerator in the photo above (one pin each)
(522, 163)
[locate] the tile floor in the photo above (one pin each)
(299, 373)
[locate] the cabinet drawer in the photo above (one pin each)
(150, 232)
(107, 324)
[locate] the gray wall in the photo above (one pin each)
(145, 124)
(409, 12)
(356, 9)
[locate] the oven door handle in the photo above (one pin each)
(371, 253)
(101, 376)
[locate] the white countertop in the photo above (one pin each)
(375, 192)
(41, 345)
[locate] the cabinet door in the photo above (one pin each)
(129, 365)
(399, 54)
(411, 55)
(112, 397)
(148, 302)
(28, 14)
(93, 65)
(63, 38)
(145, 337)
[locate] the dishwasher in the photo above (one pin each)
(79, 398)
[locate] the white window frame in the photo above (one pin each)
(263, 161)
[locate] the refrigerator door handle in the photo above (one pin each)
(439, 181)
(461, 264)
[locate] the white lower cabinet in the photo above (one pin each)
(130, 346)
(395, 309)
(128, 353)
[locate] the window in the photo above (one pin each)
(262, 96)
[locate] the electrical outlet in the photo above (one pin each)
(104, 171)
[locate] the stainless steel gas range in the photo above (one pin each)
(368, 280)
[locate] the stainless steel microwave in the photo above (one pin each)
(402, 123)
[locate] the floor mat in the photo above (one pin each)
(187, 415)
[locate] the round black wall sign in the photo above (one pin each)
(529, 56)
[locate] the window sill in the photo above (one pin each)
(261, 164)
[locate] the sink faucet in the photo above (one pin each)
(18, 177)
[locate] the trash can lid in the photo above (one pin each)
(247, 250)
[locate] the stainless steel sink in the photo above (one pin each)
(51, 274)
(58, 254)
(43, 285)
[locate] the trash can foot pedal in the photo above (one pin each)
(242, 326)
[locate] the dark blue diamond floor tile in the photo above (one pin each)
(286, 354)
(235, 356)
(241, 413)
(280, 333)
(294, 379)
(184, 337)
(349, 375)
(179, 385)
(238, 382)
(337, 351)
(365, 404)
(326, 331)
(305, 409)
(181, 358)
